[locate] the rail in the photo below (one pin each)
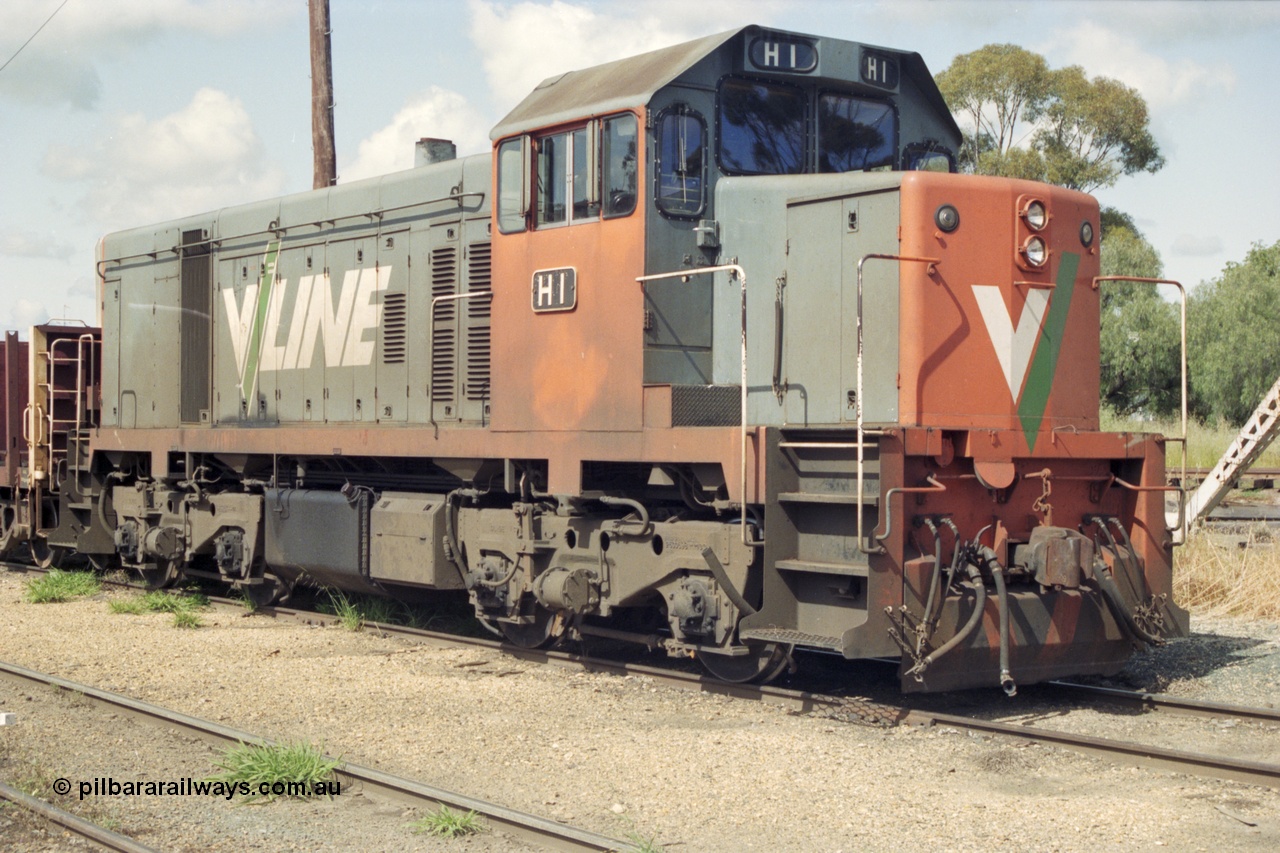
(861, 708)
(525, 826)
(101, 836)
(741, 274)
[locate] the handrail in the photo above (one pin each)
(1182, 291)
(934, 486)
(276, 230)
(83, 344)
(862, 432)
(431, 342)
(1181, 503)
(742, 277)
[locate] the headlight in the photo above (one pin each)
(1086, 233)
(947, 218)
(1035, 251)
(1035, 215)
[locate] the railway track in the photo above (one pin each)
(75, 824)
(526, 827)
(880, 712)
(874, 712)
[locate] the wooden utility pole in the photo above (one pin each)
(324, 156)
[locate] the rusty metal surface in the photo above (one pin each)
(13, 400)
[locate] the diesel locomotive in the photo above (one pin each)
(715, 351)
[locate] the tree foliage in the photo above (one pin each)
(1079, 132)
(1234, 336)
(1140, 331)
(996, 88)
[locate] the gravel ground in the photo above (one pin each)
(616, 755)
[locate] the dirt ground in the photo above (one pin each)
(618, 755)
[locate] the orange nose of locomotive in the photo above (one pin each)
(1063, 558)
(982, 336)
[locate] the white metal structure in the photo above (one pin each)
(1254, 438)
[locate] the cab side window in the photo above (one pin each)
(513, 204)
(681, 168)
(618, 152)
(587, 171)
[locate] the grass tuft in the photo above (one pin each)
(185, 608)
(58, 585)
(186, 619)
(158, 601)
(446, 823)
(346, 609)
(356, 611)
(132, 606)
(298, 763)
(640, 844)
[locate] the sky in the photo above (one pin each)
(121, 113)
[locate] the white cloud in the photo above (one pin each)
(1198, 245)
(24, 314)
(435, 113)
(524, 43)
(201, 157)
(59, 63)
(1195, 24)
(1110, 53)
(27, 244)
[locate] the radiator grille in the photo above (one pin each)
(479, 309)
(395, 327)
(444, 354)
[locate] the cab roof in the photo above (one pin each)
(632, 82)
(622, 84)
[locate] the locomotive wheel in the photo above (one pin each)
(537, 635)
(765, 662)
(160, 576)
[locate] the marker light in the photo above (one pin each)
(947, 218)
(1035, 215)
(1086, 233)
(1035, 251)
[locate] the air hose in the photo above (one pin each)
(979, 604)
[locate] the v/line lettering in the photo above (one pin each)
(340, 323)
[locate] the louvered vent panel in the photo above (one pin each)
(479, 309)
(444, 281)
(395, 327)
(444, 355)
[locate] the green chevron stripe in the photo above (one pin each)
(249, 379)
(1035, 395)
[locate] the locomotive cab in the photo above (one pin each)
(610, 174)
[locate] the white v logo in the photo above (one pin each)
(1014, 347)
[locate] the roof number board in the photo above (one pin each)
(555, 290)
(879, 70)
(776, 54)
